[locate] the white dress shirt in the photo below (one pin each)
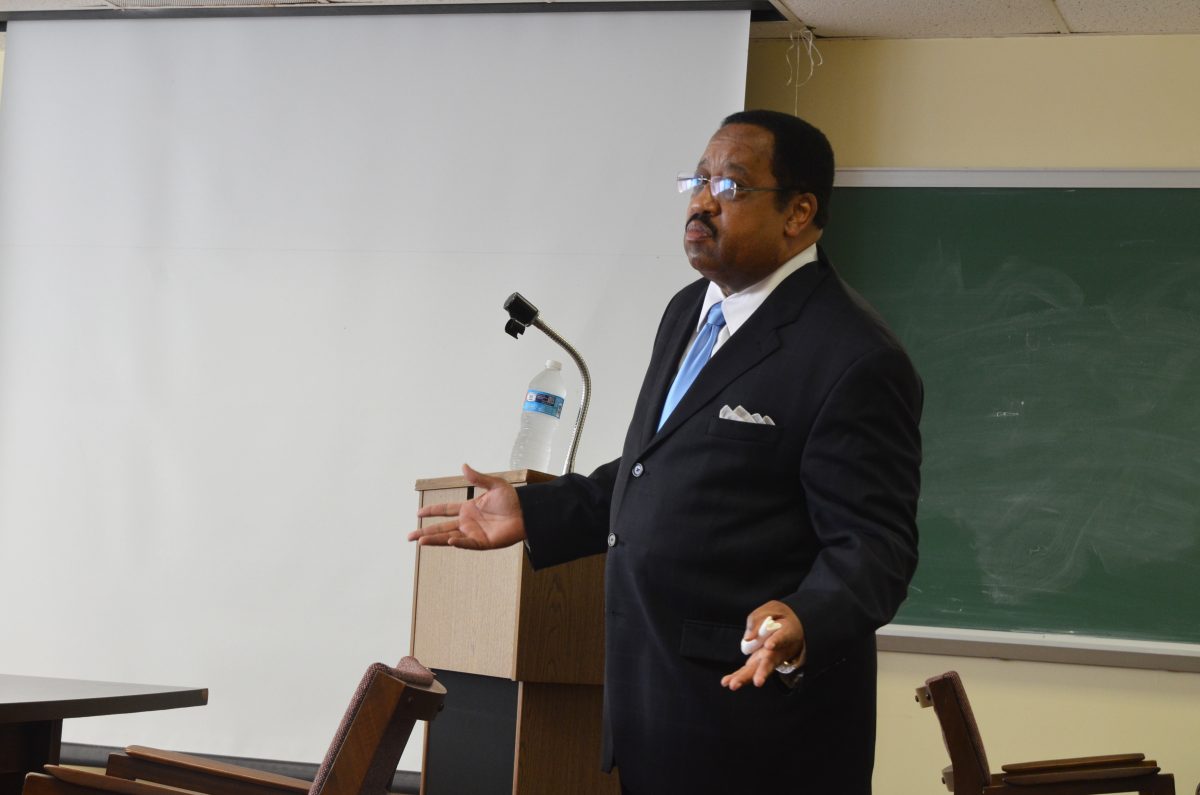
(739, 306)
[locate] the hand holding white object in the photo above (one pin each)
(768, 626)
(777, 646)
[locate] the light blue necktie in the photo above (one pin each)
(695, 360)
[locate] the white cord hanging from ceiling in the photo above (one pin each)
(802, 41)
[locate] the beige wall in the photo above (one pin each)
(1078, 102)
(1045, 102)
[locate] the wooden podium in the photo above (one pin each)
(521, 654)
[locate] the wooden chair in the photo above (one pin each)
(361, 760)
(968, 773)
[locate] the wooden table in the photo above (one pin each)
(32, 709)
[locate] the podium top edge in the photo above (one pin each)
(458, 481)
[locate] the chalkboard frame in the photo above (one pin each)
(1003, 644)
(1006, 178)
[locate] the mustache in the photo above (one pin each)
(702, 218)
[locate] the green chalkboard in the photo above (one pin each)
(1058, 335)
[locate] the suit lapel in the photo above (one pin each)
(665, 361)
(753, 342)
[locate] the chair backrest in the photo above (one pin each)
(364, 753)
(960, 732)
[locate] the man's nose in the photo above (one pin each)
(703, 202)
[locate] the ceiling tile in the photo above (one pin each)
(1122, 16)
(908, 19)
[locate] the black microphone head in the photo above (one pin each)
(520, 310)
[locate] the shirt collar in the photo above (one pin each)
(739, 306)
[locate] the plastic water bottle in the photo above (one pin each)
(539, 419)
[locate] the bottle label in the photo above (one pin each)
(544, 403)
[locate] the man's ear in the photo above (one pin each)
(802, 210)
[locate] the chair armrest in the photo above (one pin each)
(1084, 774)
(70, 781)
(199, 774)
(1055, 765)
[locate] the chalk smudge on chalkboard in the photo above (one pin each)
(1071, 380)
(1058, 336)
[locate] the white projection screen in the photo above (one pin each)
(251, 276)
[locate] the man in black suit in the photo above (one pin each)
(779, 486)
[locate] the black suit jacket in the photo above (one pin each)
(708, 518)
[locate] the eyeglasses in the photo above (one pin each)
(724, 188)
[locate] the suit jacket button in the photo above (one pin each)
(638, 469)
(612, 539)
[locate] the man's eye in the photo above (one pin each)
(725, 187)
(689, 183)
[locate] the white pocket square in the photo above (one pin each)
(741, 415)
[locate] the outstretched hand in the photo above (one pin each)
(489, 521)
(785, 644)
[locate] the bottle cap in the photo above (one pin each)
(552, 364)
